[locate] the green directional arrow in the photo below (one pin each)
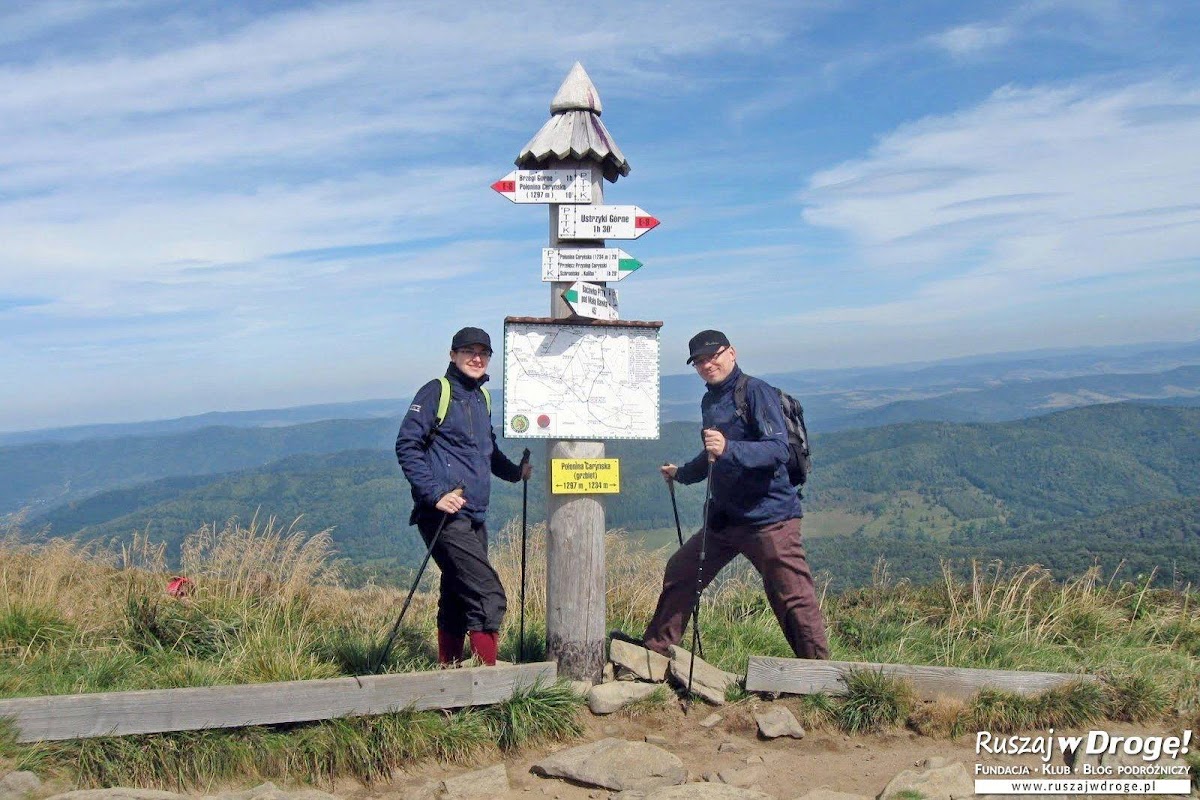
(628, 264)
(571, 296)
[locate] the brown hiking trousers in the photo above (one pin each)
(777, 551)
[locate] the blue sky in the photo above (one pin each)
(215, 206)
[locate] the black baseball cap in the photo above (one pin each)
(705, 343)
(469, 336)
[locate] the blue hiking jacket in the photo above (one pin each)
(461, 451)
(750, 483)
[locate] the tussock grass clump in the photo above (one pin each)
(873, 702)
(658, 703)
(1073, 705)
(816, 711)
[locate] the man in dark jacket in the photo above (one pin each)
(449, 467)
(754, 510)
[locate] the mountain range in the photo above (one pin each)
(1003, 456)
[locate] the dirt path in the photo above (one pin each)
(823, 759)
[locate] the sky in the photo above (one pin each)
(210, 206)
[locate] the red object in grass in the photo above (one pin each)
(179, 586)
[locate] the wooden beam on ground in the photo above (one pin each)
(804, 676)
(80, 716)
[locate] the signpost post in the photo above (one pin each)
(565, 165)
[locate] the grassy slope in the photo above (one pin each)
(268, 607)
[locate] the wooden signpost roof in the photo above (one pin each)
(574, 130)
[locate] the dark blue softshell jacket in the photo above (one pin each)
(461, 451)
(750, 483)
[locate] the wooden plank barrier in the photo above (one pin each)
(79, 716)
(803, 676)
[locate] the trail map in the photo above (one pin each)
(564, 381)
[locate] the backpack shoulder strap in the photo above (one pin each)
(739, 396)
(443, 400)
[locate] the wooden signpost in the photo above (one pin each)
(574, 142)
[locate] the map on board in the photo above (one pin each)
(564, 381)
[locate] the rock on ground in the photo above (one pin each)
(778, 722)
(609, 697)
(269, 791)
(707, 681)
(646, 664)
(16, 785)
(615, 764)
(695, 791)
(117, 793)
(944, 783)
(829, 794)
(483, 784)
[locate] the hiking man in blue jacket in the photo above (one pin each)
(460, 453)
(754, 510)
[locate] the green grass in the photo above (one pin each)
(268, 606)
(365, 748)
(873, 702)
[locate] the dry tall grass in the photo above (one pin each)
(268, 605)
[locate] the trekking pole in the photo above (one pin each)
(679, 533)
(524, 520)
(674, 505)
(387, 648)
(700, 581)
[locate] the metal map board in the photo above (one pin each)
(580, 381)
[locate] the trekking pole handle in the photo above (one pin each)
(711, 457)
(524, 461)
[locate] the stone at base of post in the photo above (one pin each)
(575, 576)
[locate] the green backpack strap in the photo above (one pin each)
(444, 400)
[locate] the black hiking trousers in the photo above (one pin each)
(471, 597)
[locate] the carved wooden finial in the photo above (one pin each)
(577, 93)
(574, 130)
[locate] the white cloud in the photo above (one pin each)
(969, 40)
(1021, 198)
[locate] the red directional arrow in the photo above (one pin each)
(546, 186)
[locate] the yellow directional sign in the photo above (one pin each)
(585, 475)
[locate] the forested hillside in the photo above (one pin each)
(1156, 539)
(918, 490)
(38, 475)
